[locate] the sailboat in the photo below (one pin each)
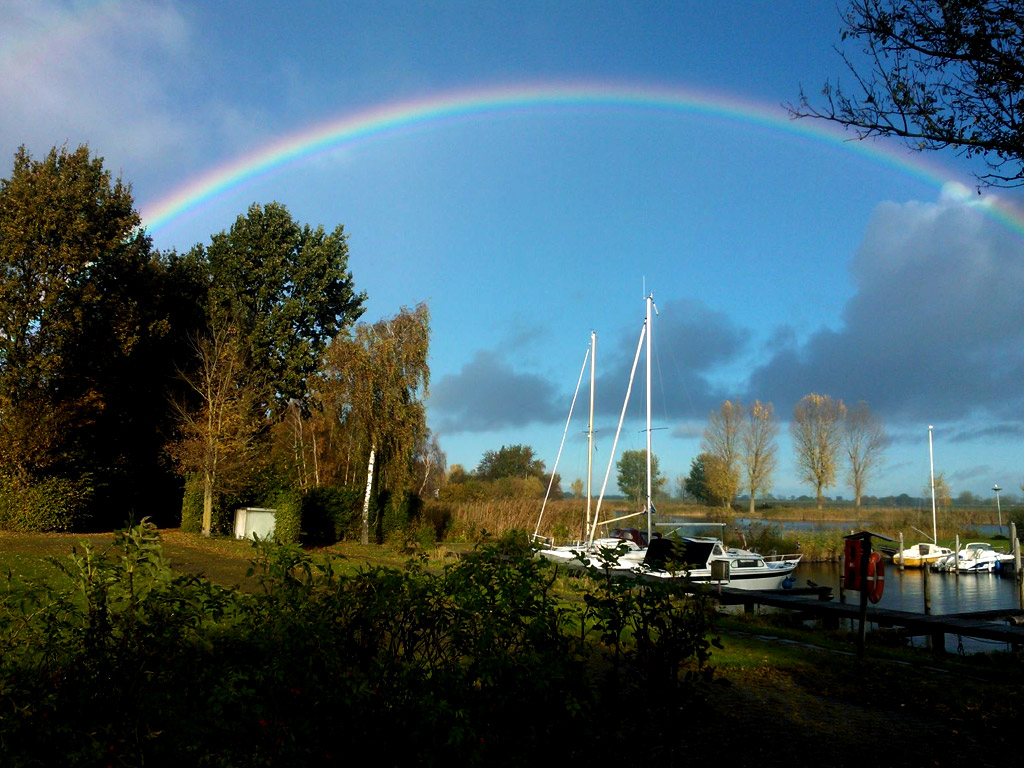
(620, 553)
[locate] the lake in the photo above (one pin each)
(904, 591)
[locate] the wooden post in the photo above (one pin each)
(901, 551)
(956, 557)
(863, 631)
(842, 581)
(1017, 575)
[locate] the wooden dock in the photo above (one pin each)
(1004, 626)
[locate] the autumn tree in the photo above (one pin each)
(722, 450)
(943, 493)
(218, 436)
(758, 448)
(377, 377)
(864, 441)
(632, 476)
(817, 434)
(696, 484)
(937, 74)
(431, 465)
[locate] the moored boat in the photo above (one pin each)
(706, 560)
(980, 557)
(921, 555)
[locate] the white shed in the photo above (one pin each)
(251, 521)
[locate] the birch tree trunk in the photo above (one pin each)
(366, 498)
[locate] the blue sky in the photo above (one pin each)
(781, 263)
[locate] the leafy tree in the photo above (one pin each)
(758, 448)
(864, 440)
(286, 290)
(632, 476)
(377, 377)
(937, 74)
(722, 445)
(431, 465)
(816, 430)
(84, 330)
(510, 461)
(943, 493)
(218, 436)
(696, 484)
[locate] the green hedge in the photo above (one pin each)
(46, 504)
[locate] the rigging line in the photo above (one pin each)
(554, 469)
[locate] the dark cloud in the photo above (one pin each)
(934, 330)
(1006, 431)
(690, 341)
(488, 394)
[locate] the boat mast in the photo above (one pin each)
(647, 323)
(590, 429)
(931, 464)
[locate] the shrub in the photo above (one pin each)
(331, 514)
(128, 663)
(288, 519)
(45, 504)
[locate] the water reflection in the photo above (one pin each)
(949, 594)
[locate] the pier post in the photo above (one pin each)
(1018, 577)
(956, 558)
(901, 551)
(842, 584)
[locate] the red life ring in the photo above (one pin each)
(876, 577)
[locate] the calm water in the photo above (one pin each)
(949, 594)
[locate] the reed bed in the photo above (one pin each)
(767, 532)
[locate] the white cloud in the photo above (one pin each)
(106, 75)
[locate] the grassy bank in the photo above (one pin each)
(787, 690)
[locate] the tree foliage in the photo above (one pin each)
(758, 448)
(938, 74)
(632, 476)
(375, 379)
(286, 290)
(721, 447)
(817, 433)
(84, 330)
(864, 441)
(510, 461)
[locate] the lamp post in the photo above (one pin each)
(999, 510)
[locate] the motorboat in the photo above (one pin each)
(921, 555)
(701, 559)
(980, 557)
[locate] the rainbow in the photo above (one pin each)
(379, 123)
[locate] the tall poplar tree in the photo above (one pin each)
(817, 433)
(758, 448)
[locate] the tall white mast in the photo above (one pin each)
(647, 322)
(931, 464)
(590, 428)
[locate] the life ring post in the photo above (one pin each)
(870, 575)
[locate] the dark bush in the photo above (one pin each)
(129, 663)
(45, 504)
